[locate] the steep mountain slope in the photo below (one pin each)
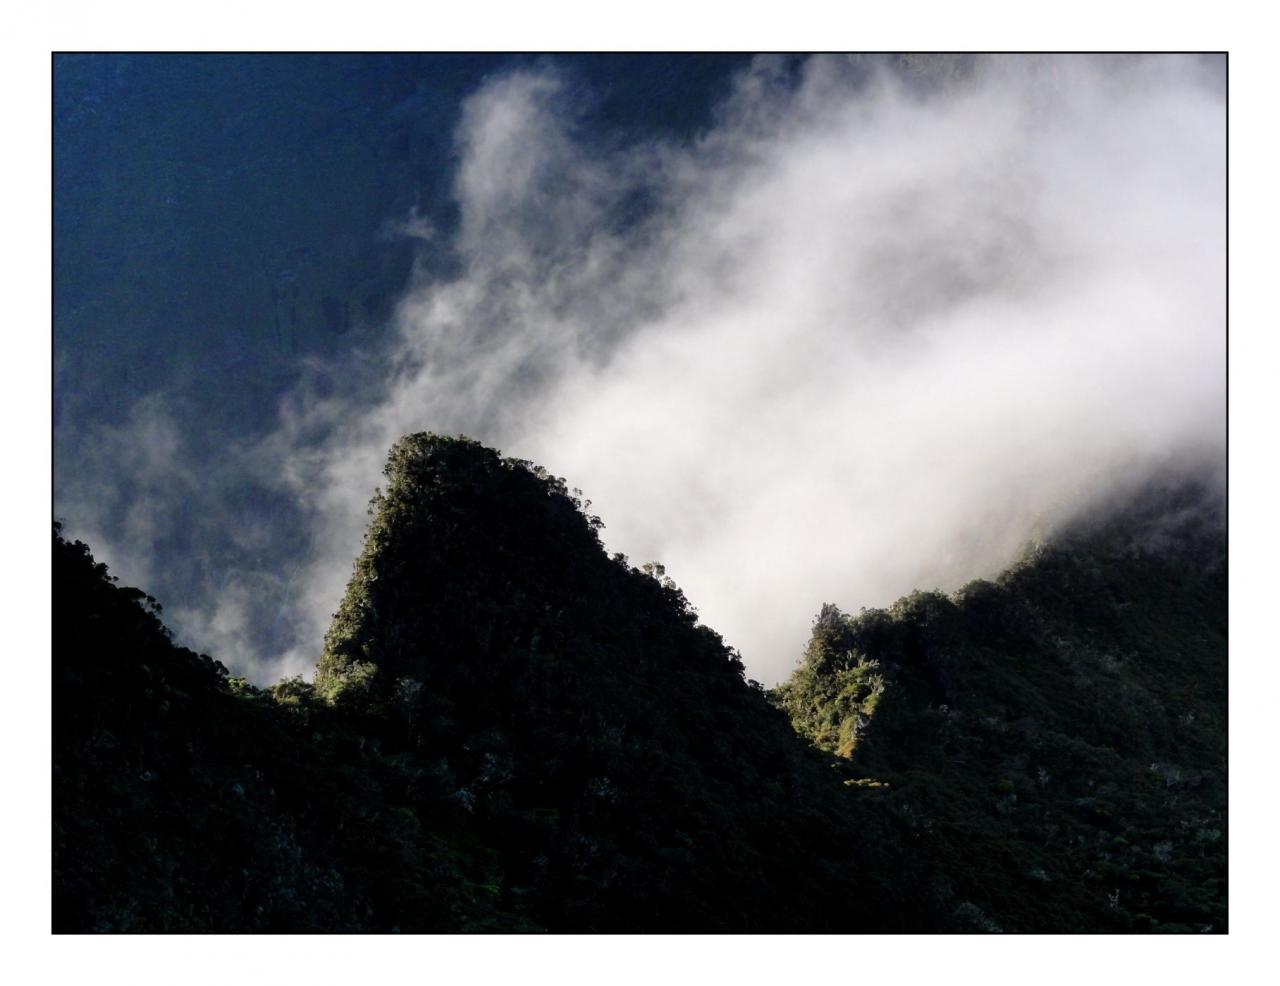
(510, 730)
(599, 736)
(185, 800)
(1057, 738)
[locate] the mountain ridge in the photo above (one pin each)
(510, 730)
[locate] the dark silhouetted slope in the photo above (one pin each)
(508, 730)
(511, 731)
(1056, 738)
(184, 800)
(605, 741)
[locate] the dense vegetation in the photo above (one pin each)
(186, 800)
(1056, 738)
(510, 730)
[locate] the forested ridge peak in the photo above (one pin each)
(511, 730)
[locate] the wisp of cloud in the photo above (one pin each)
(865, 334)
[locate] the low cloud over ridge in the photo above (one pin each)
(869, 333)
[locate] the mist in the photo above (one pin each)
(869, 332)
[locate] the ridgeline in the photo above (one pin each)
(511, 731)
